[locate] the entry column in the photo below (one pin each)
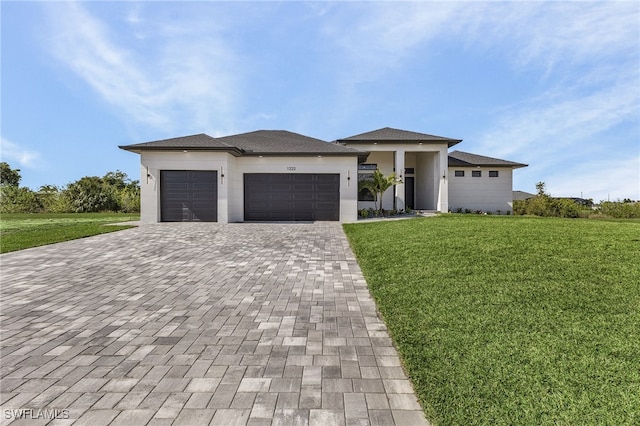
(443, 187)
(399, 189)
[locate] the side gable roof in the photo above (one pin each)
(466, 159)
(261, 142)
(388, 134)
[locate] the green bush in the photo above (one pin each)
(90, 195)
(129, 200)
(621, 210)
(18, 200)
(114, 192)
(543, 205)
(53, 200)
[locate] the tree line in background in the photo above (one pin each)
(114, 192)
(545, 205)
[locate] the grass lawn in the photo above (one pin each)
(511, 320)
(19, 231)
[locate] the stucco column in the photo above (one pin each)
(443, 177)
(399, 166)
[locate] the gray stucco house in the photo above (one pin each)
(276, 175)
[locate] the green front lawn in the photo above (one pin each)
(511, 320)
(23, 230)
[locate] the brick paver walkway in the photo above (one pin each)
(240, 324)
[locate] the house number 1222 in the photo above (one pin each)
(291, 168)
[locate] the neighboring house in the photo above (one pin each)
(522, 196)
(276, 175)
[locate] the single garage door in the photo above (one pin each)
(188, 196)
(291, 197)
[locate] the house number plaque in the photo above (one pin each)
(291, 168)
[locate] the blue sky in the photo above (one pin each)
(555, 85)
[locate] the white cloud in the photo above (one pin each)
(601, 179)
(559, 34)
(13, 153)
(377, 37)
(175, 78)
(557, 120)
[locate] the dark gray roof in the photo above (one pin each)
(193, 142)
(261, 142)
(387, 134)
(521, 195)
(465, 159)
(275, 142)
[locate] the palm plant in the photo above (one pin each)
(378, 185)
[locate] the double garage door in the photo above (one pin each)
(291, 197)
(190, 196)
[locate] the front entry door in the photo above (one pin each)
(409, 192)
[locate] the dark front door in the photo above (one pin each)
(188, 196)
(291, 197)
(409, 191)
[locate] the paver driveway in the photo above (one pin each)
(236, 324)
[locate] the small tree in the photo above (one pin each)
(378, 185)
(9, 176)
(90, 194)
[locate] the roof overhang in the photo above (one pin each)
(459, 163)
(236, 152)
(362, 155)
(449, 142)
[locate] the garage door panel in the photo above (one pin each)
(327, 178)
(291, 196)
(280, 187)
(303, 198)
(327, 198)
(326, 187)
(201, 186)
(304, 187)
(188, 196)
(303, 177)
(176, 186)
(302, 205)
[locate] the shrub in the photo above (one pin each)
(18, 200)
(621, 210)
(90, 194)
(52, 199)
(129, 199)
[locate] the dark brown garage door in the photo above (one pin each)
(284, 197)
(188, 196)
